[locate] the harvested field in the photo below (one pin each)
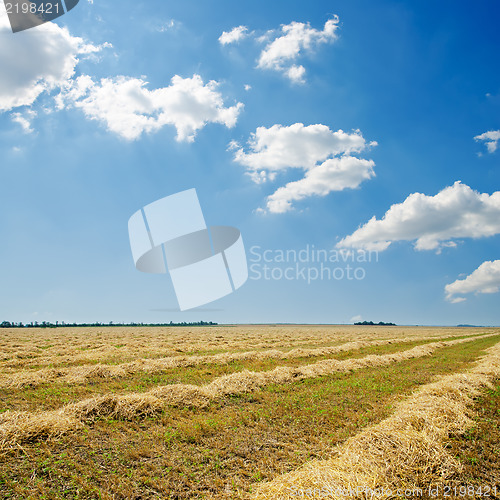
(83, 373)
(35, 348)
(236, 416)
(403, 452)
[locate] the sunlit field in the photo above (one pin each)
(260, 411)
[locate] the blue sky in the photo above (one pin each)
(341, 125)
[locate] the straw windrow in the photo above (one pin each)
(16, 427)
(403, 452)
(84, 373)
(21, 348)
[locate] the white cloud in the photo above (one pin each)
(335, 174)
(248, 87)
(233, 36)
(324, 155)
(296, 73)
(356, 319)
(36, 61)
(281, 53)
(44, 60)
(491, 139)
(129, 109)
(431, 221)
(24, 120)
(296, 146)
(485, 279)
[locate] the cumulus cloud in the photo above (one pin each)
(44, 60)
(431, 221)
(490, 138)
(296, 146)
(233, 36)
(297, 38)
(36, 61)
(324, 155)
(335, 174)
(485, 279)
(129, 109)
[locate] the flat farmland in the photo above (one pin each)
(249, 411)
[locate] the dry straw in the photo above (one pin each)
(83, 374)
(403, 452)
(25, 347)
(16, 427)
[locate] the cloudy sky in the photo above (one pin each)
(354, 143)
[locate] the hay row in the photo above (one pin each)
(22, 357)
(16, 427)
(21, 348)
(52, 346)
(84, 373)
(403, 452)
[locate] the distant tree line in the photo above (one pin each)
(59, 324)
(371, 323)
